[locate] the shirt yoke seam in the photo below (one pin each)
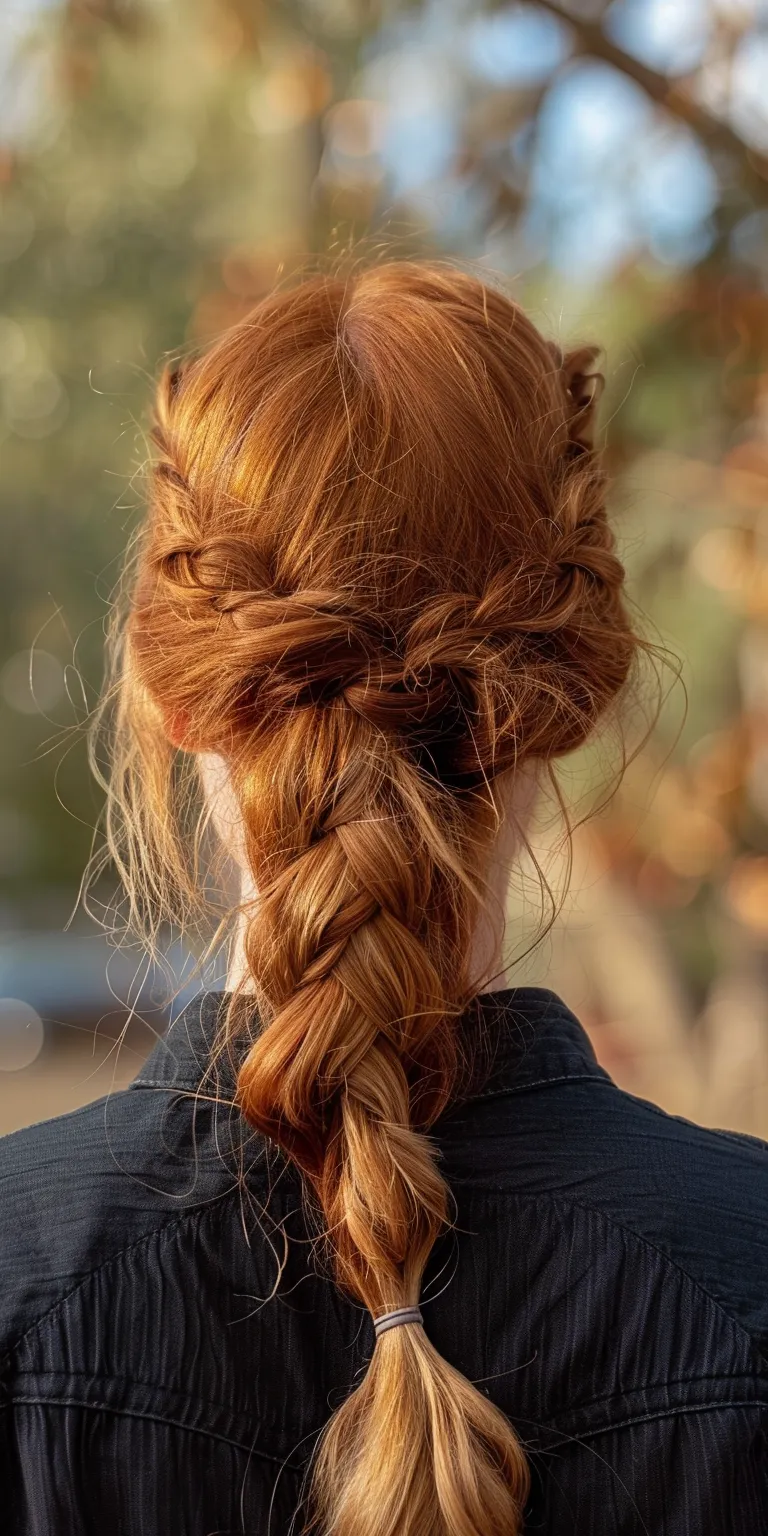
(163, 1229)
(610, 1220)
(716, 1404)
(675, 1411)
(569, 1203)
(37, 1400)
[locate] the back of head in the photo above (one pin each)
(376, 575)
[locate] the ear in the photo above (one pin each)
(177, 729)
(583, 383)
(182, 734)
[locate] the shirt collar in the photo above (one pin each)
(526, 1036)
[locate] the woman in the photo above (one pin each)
(368, 1246)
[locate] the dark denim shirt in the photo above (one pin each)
(170, 1349)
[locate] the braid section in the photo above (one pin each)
(357, 1061)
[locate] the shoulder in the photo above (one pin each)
(698, 1196)
(704, 1200)
(77, 1190)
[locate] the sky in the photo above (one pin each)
(609, 172)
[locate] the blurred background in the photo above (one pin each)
(162, 163)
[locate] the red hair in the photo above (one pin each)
(376, 574)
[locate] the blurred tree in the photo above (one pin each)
(164, 176)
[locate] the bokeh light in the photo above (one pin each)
(22, 1034)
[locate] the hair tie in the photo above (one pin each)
(396, 1319)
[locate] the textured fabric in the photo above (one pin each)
(170, 1350)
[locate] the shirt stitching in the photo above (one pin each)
(177, 1085)
(156, 1418)
(135, 1383)
(543, 1082)
(570, 1203)
(567, 1202)
(679, 1410)
(161, 1230)
(666, 1413)
(722, 1378)
(166, 1228)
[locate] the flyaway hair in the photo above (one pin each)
(376, 574)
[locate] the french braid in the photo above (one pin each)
(371, 641)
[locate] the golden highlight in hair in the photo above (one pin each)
(376, 575)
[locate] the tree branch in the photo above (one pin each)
(669, 92)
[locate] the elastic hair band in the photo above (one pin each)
(396, 1319)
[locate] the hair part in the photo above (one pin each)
(376, 574)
